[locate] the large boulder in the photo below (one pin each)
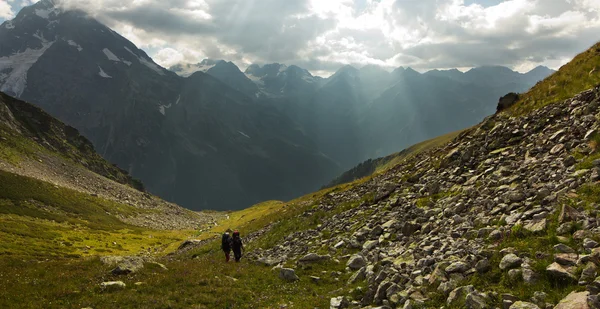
(124, 264)
(459, 293)
(457, 267)
(523, 305)
(574, 301)
(313, 258)
(476, 300)
(560, 273)
(510, 261)
(356, 262)
(338, 303)
(288, 274)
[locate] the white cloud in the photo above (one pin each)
(5, 10)
(324, 35)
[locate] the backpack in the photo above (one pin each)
(236, 243)
(226, 242)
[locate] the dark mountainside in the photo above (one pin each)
(226, 139)
(194, 141)
(39, 154)
(33, 123)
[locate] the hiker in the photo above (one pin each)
(226, 245)
(238, 246)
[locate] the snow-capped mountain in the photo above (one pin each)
(276, 80)
(194, 140)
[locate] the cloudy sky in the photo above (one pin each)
(322, 35)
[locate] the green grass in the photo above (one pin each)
(582, 73)
(38, 219)
(14, 147)
(414, 150)
(188, 283)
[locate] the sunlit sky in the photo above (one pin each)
(323, 35)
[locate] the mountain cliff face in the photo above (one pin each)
(195, 141)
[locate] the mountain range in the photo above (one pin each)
(216, 137)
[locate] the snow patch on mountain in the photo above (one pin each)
(146, 62)
(110, 55)
(15, 68)
(74, 44)
(151, 65)
(308, 79)
(206, 67)
(162, 108)
(103, 74)
(244, 134)
(39, 35)
(43, 13)
(255, 79)
(178, 99)
(9, 25)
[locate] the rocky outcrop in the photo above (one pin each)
(425, 227)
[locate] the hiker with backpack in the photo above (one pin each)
(226, 245)
(237, 245)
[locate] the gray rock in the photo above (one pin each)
(483, 266)
(557, 149)
(589, 243)
(376, 231)
(529, 276)
(288, 274)
(457, 267)
(356, 262)
(128, 265)
(369, 245)
(410, 228)
(446, 287)
(566, 259)
(560, 273)
(113, 285)
(459, 293)
(562, 248)
(574, 301)
(359, 275)
(569, 161)
(523, 305)
(535, 226)
(476, 300)
(515, 274)
(313, 258)
(190, 243)
(589, 273)
(510, 261)
(339, 302)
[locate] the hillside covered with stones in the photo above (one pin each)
(504, 216)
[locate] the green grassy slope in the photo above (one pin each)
(582, 73)
(38, 219)
(26, 130)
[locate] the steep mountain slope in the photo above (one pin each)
(139, 115)
(579, 74)
(56, 190)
